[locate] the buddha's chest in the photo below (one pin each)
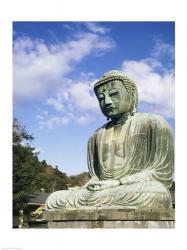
(112, 149)
(112, 145)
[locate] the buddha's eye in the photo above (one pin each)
(114, 93)
(100, 97)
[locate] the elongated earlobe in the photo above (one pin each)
(133, 106)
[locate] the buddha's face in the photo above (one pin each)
(114, 100)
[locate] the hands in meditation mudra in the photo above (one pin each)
(130, 158)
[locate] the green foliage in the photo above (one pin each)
(79, 180)
(51, 179)
(25, 164)
(19, 133)
(29, 174)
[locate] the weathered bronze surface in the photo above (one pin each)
(130, 158)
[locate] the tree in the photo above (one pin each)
(25, 166)
(51, 179)
(19, 133)
(30, 174)
(79, 180)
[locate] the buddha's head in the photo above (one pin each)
(117, 94)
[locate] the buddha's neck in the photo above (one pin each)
(120, 119)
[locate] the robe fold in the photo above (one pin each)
(139, 154)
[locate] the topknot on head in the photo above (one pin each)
(114, 75)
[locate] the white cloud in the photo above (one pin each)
(45, 120)
(162, 49)
(84, 119)
(40, 71)
(156, 85)
(82, 97)
(55, 121)
(75, 95)
(68, 27)
(97, 28)
(75, 101)
(56, 102)
(38, 68)
(154, 77)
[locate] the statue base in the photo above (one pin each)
(110, 218)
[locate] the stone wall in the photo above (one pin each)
(110, 218)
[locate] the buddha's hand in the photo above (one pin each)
(100, 185)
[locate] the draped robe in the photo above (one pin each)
(139, 153)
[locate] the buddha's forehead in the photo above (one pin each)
(114, 84)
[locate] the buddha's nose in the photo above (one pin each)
(108, 101)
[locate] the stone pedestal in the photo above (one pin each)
(110, 218)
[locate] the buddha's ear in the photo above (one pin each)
(133, 105)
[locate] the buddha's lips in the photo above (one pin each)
(109, 109)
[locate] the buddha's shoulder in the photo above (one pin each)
(138, 121)
(99, 130)
(149, 119)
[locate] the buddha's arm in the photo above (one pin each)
(100, 185)
(96, 185)
(145, 175)
(91, 181)
(149, 151)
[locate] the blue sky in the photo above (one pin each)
(54, 69)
